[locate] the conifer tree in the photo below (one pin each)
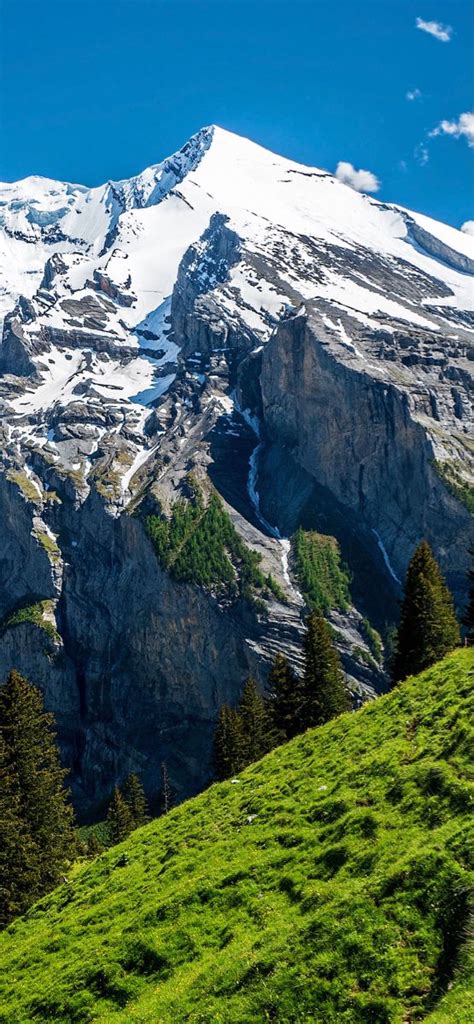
(428, 627)
(468, 619)
(228, 751)
(94, 846)
(324, 692)
(34, 782)
(257, 733)
(134, 796)
(19, 858)
(119, 818)
(284, 699)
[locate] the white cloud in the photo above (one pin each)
(436, 29)
(361, 181)
(468, 227)
(421, 154)
(413, 94)
(464, 126)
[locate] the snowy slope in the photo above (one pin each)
(98, 336)
(216, 171)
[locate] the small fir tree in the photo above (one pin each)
(468, 619)
(428, 627)
(284, 699)
(324, 692)
(119, 818)
(228, 751)
(258, 735)
(94, 846)
(134, 796)
(35, 780)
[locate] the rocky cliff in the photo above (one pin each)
(369, 441)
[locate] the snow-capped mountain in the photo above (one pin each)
(98, 267)
(230, 313)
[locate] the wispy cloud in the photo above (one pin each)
(421, 154)
(436, 29)
(361, 181)
(468, 227)
(413, 94)
(462, 128)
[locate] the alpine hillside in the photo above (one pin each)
(331, 883)
(213, 376)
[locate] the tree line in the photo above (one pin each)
(38, 840)
(290, 705)
(427, 631)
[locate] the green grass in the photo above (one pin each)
(20, 478)
(330, 884)
(324, 579)
(34, 613)
(199, 544)
(49, 545)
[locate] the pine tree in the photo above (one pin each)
(228, 751)
(19, 857)
(428, 627)
(324, 692)
(468, 619)
(119, 818)
(94, 846)
(134, 796)
(257, 732)
(34, 779)
(284, 699)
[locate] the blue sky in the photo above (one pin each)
(97, 89)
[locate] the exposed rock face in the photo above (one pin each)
(144, 663)
(304, 350)
(358, 436)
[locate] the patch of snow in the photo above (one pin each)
(151, 394)
(251, 421)
(29, 473)
(253, 492)
(138, 461)
(226, 402)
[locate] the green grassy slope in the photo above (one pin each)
(330, 883)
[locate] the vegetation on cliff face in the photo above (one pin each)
(34, 613)
(199, 544)
(323, 578)
(374, 640)
(330, 883)
(456, 485)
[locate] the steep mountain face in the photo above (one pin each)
(226, 320)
